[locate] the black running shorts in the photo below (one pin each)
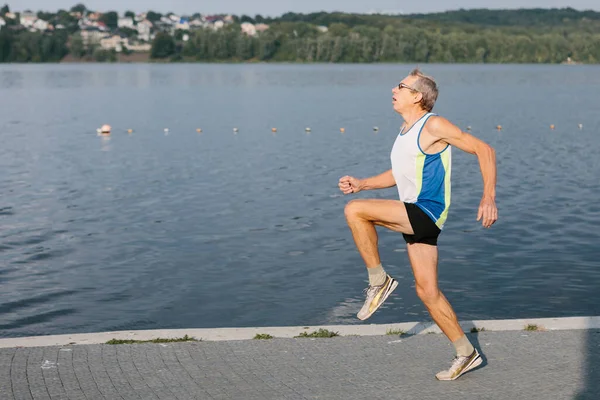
(425, 229)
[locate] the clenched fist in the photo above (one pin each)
(349, 184)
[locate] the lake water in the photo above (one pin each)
(181, 229)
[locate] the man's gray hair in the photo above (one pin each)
(427, 87)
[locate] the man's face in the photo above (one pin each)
(402, 95)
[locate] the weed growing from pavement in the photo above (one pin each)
(186, 338)
(321, 333)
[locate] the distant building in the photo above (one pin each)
(248, 29)
(183, 24)
(126, 22)
(139, 47)
(261, 27)
(41, 25)
(144, 29)
(28, 19)
(95, 16)
(91, 35)
(323, 29)
(228, 19)
(218, 25)
(10, 15)
(2, 22)
(197, 23)
(114, 42)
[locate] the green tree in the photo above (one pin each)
(76, 47)
(111, 19)
(79, 8)
(4, 10)
(163, 46)
(130, 33)
(153, 16)
(245, 18)
(130, 14)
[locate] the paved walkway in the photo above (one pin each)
(517, 365)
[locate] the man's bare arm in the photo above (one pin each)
(381, 181)
(350, 184)
(447, 132)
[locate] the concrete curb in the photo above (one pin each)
(411, 328)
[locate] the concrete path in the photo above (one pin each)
(518, 364)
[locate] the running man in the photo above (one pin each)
(421, 165)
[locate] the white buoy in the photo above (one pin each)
(580, 126)
(105, 129)
(375, 128)
(166, 130)
(307, 129)
(235, 130)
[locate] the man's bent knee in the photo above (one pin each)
(353, 209)
(428, 294)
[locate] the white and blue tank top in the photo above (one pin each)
(422, 178)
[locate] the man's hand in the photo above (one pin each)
(349, 184)
(488, 212)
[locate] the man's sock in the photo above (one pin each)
(463, 347)
(377, 275)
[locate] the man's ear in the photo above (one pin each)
(418, 97)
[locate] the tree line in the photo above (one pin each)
(462, 36)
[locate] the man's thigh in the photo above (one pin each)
(424, 260)
(387, 213)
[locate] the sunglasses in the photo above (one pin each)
(402, 85)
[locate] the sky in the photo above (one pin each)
(277, 7)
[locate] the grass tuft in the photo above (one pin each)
(533, 327)
(263, 336)
(321, 333)
(395, 332)
(186, 338)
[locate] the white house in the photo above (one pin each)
(115, 42)
(2, 22)
(218, 25)
(28, 19)
(322, 29)
(248, 28)
(91, 35)
(41, 25)
(126, 22)
(144, 29)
